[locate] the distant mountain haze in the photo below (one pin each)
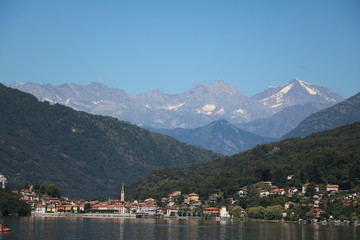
(345, 112)
(219, 136)
(194, 108)
(284, 121)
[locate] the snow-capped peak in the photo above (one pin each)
(17, 84)
(293, 93)
(311, 90)
(287, 88)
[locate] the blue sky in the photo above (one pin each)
(175, 45)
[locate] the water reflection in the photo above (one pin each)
(126, 228)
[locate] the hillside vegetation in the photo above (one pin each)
(331, 156)
(85, 155)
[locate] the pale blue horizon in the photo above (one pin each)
(140, 46)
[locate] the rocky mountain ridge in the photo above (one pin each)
(219, 136)
(284, 121)
(194, 108)
(345, 112)
(296, 92)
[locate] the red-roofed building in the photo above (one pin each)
(292, 190)
(175, 194)
(172, 210)
(40, 208)
(191, 198)
(279, 191)
(332, 188)
(211, 210)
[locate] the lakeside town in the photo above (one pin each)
(309, 203)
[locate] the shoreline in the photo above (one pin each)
(89, 215)
(128, 215)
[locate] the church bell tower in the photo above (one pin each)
(122, 194)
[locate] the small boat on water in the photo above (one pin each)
(4, 229)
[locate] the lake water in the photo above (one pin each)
(131, 228)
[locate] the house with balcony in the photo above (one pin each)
(211, 211)
(243, 192)
(263, 193)
(191, 198)
(172, 210)
(332, 188)
(304, 186)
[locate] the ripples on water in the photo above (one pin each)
(72, 228)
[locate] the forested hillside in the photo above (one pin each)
(86, 155)
(331, 157)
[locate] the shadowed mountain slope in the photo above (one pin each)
(219, 136)
(340, 114)
(86, 155)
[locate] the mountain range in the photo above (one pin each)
(89, 155)
(86, 155)
(194, 108)
(223, 137)
(194, 116)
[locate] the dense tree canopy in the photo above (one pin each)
(329, 157)
(10, 204)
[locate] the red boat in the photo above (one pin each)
(4, 229)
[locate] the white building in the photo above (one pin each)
(224, 213)
(263, 193)
(2, 180)
(40, 208)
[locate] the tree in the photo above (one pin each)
(10, 204)
(357, 208)
(237, 212)
(256, 212)
(310, 190)
(87, 207)
(354, 219)
(279, 177)
(24, 186)
(23, 208)
(49, 189)
(273, 212)
(293, 217)
(266, 175)
(180, 199)
(53, 190)
(309, 215)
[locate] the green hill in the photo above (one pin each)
(86, 155)
(331, 156)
